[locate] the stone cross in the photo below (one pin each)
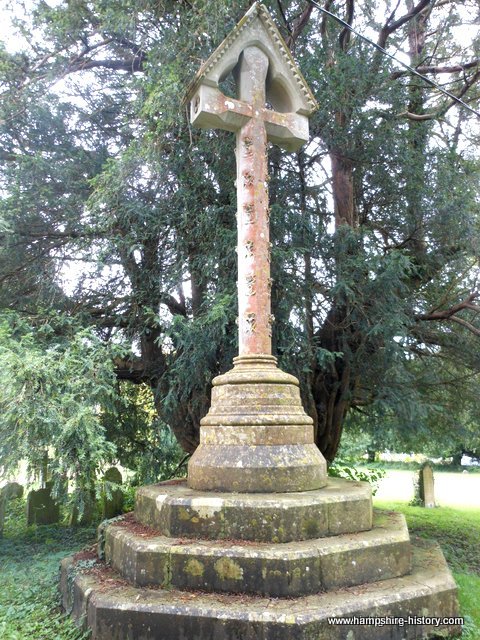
(256, 436)
(263, 82)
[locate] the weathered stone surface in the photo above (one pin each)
(12, 490)
(256, 436)
(112, 505)
(289, 569)
(426, 486)
(287, 90)
(41, 507)
(257, 469)
(125, 613)
(8, 492)
(255, 393)
(176, 510)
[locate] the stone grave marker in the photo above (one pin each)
(10, 491)
(112, 505)
(13, 490)
(426, 486)
(41, 507)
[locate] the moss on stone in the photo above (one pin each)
(228, 569)
(194, 567)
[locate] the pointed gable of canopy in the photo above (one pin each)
(286, 90)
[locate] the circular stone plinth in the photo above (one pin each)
(257, 468)
(175, 510)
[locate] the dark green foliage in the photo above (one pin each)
(55, 381)
(375, 223)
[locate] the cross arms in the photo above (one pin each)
(211, 109)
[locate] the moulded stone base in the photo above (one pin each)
(175, 510)
(256, 436)
(115, 611)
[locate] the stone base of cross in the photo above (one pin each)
(256, 436)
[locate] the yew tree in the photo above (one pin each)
(118, 214)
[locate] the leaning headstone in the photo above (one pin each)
(426, 486)
(13, 490)
(112, 500)
(41, 507)
(10, 491)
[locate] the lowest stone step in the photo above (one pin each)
(114, 610)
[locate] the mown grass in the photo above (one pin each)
(457, 530)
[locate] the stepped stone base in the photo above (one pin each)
(194, 565)
(113, 610)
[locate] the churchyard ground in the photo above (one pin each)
(29, 556)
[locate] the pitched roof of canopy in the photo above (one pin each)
(257, 20)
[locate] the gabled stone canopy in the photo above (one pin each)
(286, 89)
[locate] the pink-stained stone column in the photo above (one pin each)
(254, 281)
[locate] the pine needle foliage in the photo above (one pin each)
(117, 214)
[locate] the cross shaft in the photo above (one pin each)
(254, 123)
(252, 211)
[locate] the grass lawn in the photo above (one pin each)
(29, 559)
(457, 530)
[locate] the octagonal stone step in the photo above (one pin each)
(116, 611)
(175, 510)
(277, 570)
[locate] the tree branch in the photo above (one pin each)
(389, 27)
(448, 314)
(299, 25)
(466, 324)
(284, 17)
(132, 65)
(345, 34)
(175, 307)
(439, 69)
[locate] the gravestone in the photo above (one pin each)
(13, 490)
(258, 515)
(41, 507)
(112, 505)
(10, 491)
(426, 486)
